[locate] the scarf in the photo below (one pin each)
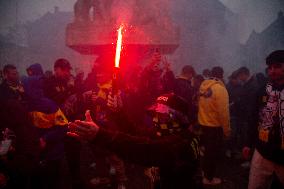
(272, 114)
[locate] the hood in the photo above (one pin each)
(36, 69)
(33, 86)
(205, 85)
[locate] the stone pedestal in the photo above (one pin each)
(91, 38)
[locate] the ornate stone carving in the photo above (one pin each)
(83, 13)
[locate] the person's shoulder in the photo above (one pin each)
(51, 78)
(219, 86)
(3, 85)
(49, 81)
(219, 89)
(182, 81)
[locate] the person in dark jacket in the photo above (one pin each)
(51, 125)
(249, 88)
(35, 69)
(266, 133)
(168, 145)
(61, 85)
(11, 88)
(183, 87)
(156, 79)
(20, 164)
(235, 93)
(59, 88)
(91, 81)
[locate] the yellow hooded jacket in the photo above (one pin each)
(213, 105)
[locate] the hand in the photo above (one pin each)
(166, 64)
(94, 97)
(3, 180)
(246, 152)
(114, 102)
(227, 134)
(42, 143)
(87, 129)
(91, 96)
(71, 82)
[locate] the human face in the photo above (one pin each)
(243, 77)
(156, 60)
(276, 72)
(62, 73)
(12, 76)
(103, 77)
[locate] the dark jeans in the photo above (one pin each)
(48, 175)
(72, 152)
(212, 140)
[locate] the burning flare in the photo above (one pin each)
(118, 46)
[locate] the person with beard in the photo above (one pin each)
(266, 131)
(156, 79)
(11, 87)
(59, 88)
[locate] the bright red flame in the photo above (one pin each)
(118, 46)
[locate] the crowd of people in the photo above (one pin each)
(177, 127)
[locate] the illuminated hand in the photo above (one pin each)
(42, 143)
(246, 152)
(71, 82)
(86, 130)
(114, 102)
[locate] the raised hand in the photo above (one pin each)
(114, 102)
(86, 130)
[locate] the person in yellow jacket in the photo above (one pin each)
(214, 119)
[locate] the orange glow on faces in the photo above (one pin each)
(118, 46)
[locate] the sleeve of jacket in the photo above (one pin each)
(222, 106)
(168, 81)
(55, 134)
(125, 125)
(52, 92)
(140, 150)
(253, 117)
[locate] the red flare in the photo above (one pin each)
(118, 46)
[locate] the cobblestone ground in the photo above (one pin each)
(234, 176)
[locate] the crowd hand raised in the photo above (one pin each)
(91, 96)
(114, 102)
(86, 130)
(166, 64)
